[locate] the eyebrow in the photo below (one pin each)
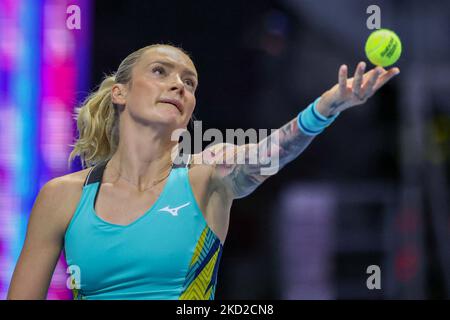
(171, 65)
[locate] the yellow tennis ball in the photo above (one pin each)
(383, 47)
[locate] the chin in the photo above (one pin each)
(170, 119)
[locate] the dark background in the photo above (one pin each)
(259, 64)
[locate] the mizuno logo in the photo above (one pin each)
(174, 211)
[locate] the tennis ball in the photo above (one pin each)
(383, 47)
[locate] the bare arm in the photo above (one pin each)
(289, 141)
(43, 244)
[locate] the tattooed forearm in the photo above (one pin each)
(275, 151)
(291, 142)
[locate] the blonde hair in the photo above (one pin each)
(98, 118)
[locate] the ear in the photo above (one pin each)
(118, 93)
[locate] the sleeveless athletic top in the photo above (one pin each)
(167, 253)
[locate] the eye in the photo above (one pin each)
(158, 70)
(189, 82)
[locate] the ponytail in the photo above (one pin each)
(97, 123)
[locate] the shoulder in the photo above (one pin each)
(218, 154)
(212, 157)
(213, 163)
(58, 198)
(215, 155)
(66, 185)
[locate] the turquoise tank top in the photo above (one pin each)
(167, 253)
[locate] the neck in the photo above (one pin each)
(143, 156)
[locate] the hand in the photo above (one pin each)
(354, 91)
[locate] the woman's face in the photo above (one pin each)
(162, 88)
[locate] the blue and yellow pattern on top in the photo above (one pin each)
(202, 274)
(168, 253)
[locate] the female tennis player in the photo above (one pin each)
(135, 225)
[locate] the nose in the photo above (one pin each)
(177, 84)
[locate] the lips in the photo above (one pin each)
(173, 102)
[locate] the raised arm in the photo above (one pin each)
(289, 141)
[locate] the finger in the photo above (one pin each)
(368, 74)
(358, 78)
(342, 79)
(368, 87)
(383, 79)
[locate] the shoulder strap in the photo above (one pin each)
(181, 162)
(96, 173)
